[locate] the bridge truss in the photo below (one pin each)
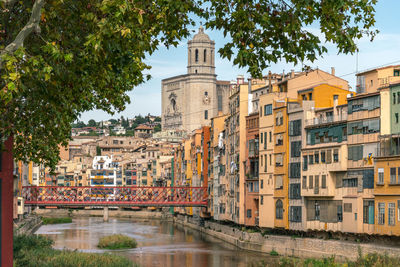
(143, 196)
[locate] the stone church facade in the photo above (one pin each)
(190, 100)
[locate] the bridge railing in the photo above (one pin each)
(114, 196)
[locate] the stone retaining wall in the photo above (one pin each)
(286, 245)
(27, 225)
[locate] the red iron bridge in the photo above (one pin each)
(140, 196)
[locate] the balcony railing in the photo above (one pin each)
(385, 82)
(326, 120)
(388, 151)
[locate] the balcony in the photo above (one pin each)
(388, 151)
(385, 82)
(326, 120)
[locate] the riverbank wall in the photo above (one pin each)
(99, 213)
(285, 245)
(27, 225)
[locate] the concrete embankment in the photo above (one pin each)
(286, 245)
(28, 225)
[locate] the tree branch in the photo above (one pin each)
(32, 24)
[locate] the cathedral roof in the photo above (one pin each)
(201, 36)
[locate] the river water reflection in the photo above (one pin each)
(160, 243)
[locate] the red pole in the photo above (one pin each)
(6, 206)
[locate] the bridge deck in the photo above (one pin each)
(144, 196)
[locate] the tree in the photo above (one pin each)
(92, 123)
(61, 58)
(79, 124)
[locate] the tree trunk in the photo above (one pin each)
(6, 204)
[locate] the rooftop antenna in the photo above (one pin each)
(357, 60)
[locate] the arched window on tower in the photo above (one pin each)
(196, 55)
(205, 55)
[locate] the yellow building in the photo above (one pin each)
(281, 156)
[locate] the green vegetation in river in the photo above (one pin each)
(50, 220)
(117, 242)
(35, 251)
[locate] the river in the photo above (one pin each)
(160, 243)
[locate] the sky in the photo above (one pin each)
(384, 50)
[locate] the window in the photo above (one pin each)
(279, 139)
(323, 156)
(205, 93)
(348, 207)
(304, 182)
(392, 175)
(316, 157)
(270, 137)
(339, 213)
(394, 98)
(329, 156)
(355, 153)
(396, 73)
(398, 210)
(398, 175)
(352, 182)
(261, 139)
(294, 170)
(295, 149)
(368, 103)
(267, 109)
(265, 140)
(317, 209)
(219, 102)
(310, 182)
(323, 181)
(278, 160)
(295, 128)
(295, 213)
(262, 200)
(336, 155)
(396, 116)
(305, 165)
(363, 127)
(279, 209)
(249, 213)
(196, 55)
(262, 183)
(294, 191)
(316, 180)
(278, 182)
(205, 55)
(381, 175)
(368, 212)
(310, 159)
(206, 114)
(381, 213)
(391, 211)
(279, 119)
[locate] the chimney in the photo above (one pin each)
(292, 74)
(240, 79)
(270, 82)
(333, 71)
(283, 75)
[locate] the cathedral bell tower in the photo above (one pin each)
(201, 54)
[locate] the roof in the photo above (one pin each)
(144, 127)
(201, 36)
(381, 68)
